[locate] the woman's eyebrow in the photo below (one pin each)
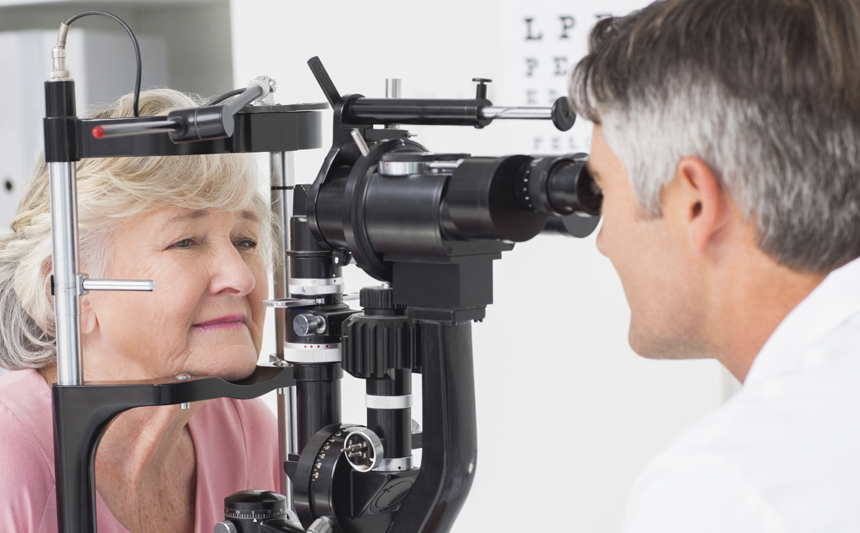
(194, 214)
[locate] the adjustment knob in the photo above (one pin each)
(382, 339)
(321, 525)
(563, 116)
(225, 527)
(253, 506)
(308, 324)
(379, 301)
(481, 89)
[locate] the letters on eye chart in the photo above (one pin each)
(543, 43)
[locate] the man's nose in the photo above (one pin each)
(230, 273)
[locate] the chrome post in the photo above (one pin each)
(516, 113)
(115, 285)
(64, 228)
(68, 284)
(283, 182)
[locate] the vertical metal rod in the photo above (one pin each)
(294, 426)
(283, 182)
(64, 227)
(392, 87)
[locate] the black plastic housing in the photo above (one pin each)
(434, 112)
(279, 128)
(202, 123)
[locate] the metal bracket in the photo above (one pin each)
(85, 285)
(283, 303)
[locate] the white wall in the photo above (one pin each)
(197, 33)
(568, 415)
(185, 44)
(102, 65)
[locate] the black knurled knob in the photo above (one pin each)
(255, 505)
(382, 339)
(378, 299)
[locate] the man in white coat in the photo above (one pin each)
(727, 147)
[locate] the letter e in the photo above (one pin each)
(560, 65)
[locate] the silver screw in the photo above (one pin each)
(184, 377)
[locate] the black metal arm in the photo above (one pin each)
(83, 412)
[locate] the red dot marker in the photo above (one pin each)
(98, 132)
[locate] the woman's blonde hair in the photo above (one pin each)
(111, 191)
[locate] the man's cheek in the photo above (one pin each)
(601, 246)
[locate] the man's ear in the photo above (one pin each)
(702, 202)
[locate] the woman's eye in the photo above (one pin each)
(184, 243)
(248, 244)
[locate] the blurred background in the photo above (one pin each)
(568, 414)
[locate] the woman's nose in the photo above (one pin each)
(230, 272)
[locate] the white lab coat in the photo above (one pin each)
(783, 454)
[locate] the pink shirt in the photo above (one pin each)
(235, 441)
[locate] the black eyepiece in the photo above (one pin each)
(559, 186)
(571, 189)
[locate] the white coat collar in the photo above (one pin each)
(832, 303)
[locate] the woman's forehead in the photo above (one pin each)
(172, 216)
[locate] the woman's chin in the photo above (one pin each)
(239, 373)
(240, 369)
(230, 363)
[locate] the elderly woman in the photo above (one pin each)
(198, 226)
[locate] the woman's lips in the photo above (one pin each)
(225, 322)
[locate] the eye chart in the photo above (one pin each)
(543, 42)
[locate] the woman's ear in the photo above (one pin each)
(47, 275)
(89, 318)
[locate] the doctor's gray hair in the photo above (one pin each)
(111, 192)
(765, 92)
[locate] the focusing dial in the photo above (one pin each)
(380, 340)
(249, 510)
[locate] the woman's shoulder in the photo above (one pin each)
(25, 415)
(26, 451)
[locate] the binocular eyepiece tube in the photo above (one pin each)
(407, 201)
(560, 186)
